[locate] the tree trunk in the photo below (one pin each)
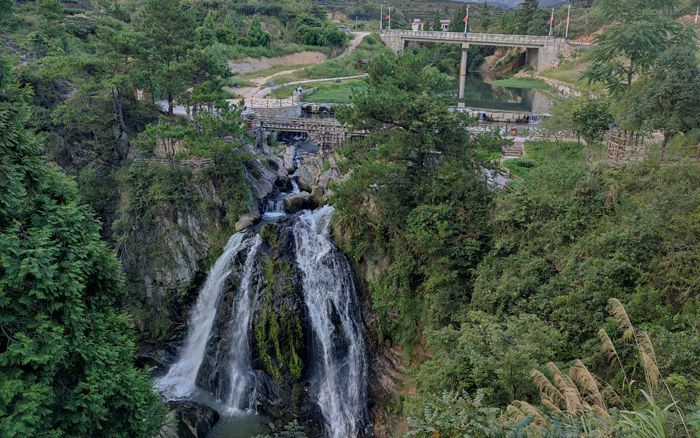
(630, 73)
(170, 103)
(667, 136)
(124, 144)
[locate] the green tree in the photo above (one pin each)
(668, 100)
(66, 357)
(50, 9)
(436, 24)
(526, 17)
(256, 36)
(118, 48)
(170, 30)
(414, 193)
(642, 30)
(6, 7)
(309, 35)
(457, 22)
(484, 18)
(488, 352)
(227, 32)
(590, 118)
(333, 36)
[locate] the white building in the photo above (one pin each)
(417, 24)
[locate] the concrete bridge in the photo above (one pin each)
(540, 50)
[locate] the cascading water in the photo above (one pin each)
(273, 209)
(341, 371)
(240, 369)
(181, 377)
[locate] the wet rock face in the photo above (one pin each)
(192, 420)
(213, 373)
(300, 201)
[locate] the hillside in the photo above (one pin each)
(411, 9)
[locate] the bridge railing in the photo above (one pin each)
(474, 37)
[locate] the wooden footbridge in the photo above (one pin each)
(329, 133)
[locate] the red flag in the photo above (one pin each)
(463, 19)
(387, 17)
(549, 21)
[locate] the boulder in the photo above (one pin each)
(276, 164)
(192, 420)
(300, 201)
(247, 220)
(289, 155)
(309, 171)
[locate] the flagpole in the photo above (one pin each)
(381, 18)
(466, 21)
(568, 14)
(696, 15)
(551, 22)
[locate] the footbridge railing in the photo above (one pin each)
(459, 37)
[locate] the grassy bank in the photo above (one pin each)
(540, 153)
(521, 83)
(328, 92)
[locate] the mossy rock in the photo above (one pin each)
(278, 328)
(269, 233)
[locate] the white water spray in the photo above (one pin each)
(330, 295)
(180, 380)
(241, 371)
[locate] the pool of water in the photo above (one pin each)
(233, 424)
(480, 94)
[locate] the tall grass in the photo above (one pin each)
(583, 400)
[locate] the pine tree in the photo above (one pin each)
(170, 30)
(525, 16)
(66, 356)
(6, 7)
(484, 17)
(457, 23)
(437, 26)
(256, 36)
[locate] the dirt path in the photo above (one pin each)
(354, 43)
(259, 89)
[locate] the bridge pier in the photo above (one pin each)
(463, 70)
(532, 58)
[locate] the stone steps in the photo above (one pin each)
(514, 151)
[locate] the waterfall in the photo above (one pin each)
(241, 370)
(180, 379)
(216, 354)
(273, 208)
(340, 372)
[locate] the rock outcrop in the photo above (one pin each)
(190, 420)
(300, 201)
